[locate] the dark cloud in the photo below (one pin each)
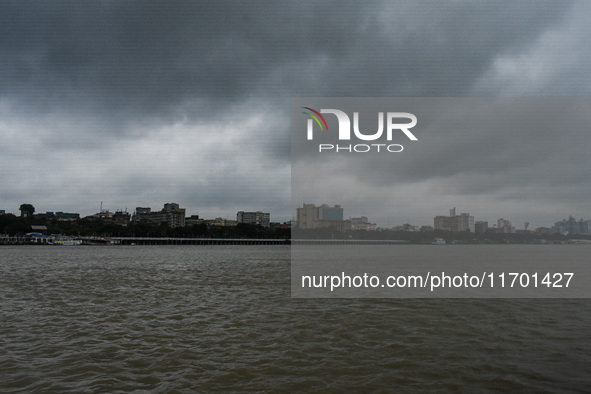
(100, 88)
(162, 58)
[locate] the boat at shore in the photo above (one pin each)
(68, 242)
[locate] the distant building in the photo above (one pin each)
(406, 227)
(339, 225)
(362, 224)
(104, 215)
(504, 226)
(542, 231)
(464, 222)
(310, 216)
(330, 213)
(461, 222)
(276, 225)
(572, 226)
(171, 214)
(193, 220)
(121, 218)
(260, 218)
(481, 227)
(307, 216)
(443, 223)
(221, 222)
(62, 216)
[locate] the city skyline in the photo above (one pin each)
(153, 102)
(475, 219)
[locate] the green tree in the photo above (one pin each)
(27, 210)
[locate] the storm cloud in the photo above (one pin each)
(142, 103)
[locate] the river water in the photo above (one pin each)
(221, 319)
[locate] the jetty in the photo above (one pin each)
(196, 241)
(38, 239)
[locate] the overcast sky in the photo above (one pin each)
(143, 103)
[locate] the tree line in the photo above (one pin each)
(14, 225)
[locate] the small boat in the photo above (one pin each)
(438, 241)
(68, 242)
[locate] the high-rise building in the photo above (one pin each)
(464, 222)
(572, 226)
(504, 226)
(481, 227)
(310, 216)
(443, 223)
(330, 213)
(306, 216)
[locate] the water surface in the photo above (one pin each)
(220, 318)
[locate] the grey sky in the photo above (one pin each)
(523, 159)
(142, 103)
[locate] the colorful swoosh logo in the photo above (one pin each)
(315, 116)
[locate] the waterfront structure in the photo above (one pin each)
(260, 218)
(461, 222)
(171, 214)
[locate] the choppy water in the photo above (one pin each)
(207, 318)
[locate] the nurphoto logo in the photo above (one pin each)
(344, 131)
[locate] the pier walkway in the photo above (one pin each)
(242, 241)
(195, 241)
(48, 240)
